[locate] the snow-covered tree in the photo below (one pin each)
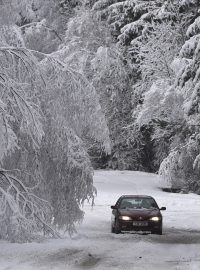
(70, 110)
(90, 49)
(187, 81)
(169, 104)
(45, 107)
(22, 213)
(149, 36)
(112, 81)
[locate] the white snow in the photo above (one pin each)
(194, 28)
(94, 247)
(190, 46)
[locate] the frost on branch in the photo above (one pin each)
(101, 4)
(8, 139)
(18, 78)
(70, 106)
(153, 58)
(161, 102)
(196, 163)
(22, 213)
(19, 117)
(83, 111)
(11, 36)
(76, 104)
(194, 28)
(68, 177)
(181, 167)
(169, 170)
(189, 77)
(187, 3)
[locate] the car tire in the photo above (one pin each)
(112, 229)
(117, 228)
(157, 231)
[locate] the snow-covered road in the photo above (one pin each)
(94, 247)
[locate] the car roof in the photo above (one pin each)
(135, 196)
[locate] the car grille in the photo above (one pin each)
(139, 218)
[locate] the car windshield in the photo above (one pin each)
(138, 203)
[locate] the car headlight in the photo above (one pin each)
(155, 218)
(125, 218)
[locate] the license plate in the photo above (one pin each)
(140, 223)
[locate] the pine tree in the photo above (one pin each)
(172, 113)
(187, 81)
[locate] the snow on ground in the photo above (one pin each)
(94, 247)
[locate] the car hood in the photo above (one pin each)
(139, 214)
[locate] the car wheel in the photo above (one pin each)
(157, 231)
(117, 228)
(112, 229)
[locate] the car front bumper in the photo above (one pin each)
(146, 225)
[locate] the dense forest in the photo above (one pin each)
(93, 84)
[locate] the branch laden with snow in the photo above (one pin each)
(32, 108)
(21, 212)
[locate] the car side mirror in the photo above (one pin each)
(163, 208)
(113, 207)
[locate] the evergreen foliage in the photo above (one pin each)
(160, 42)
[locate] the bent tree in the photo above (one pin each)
(45, 173)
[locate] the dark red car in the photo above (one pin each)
(136, 213)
